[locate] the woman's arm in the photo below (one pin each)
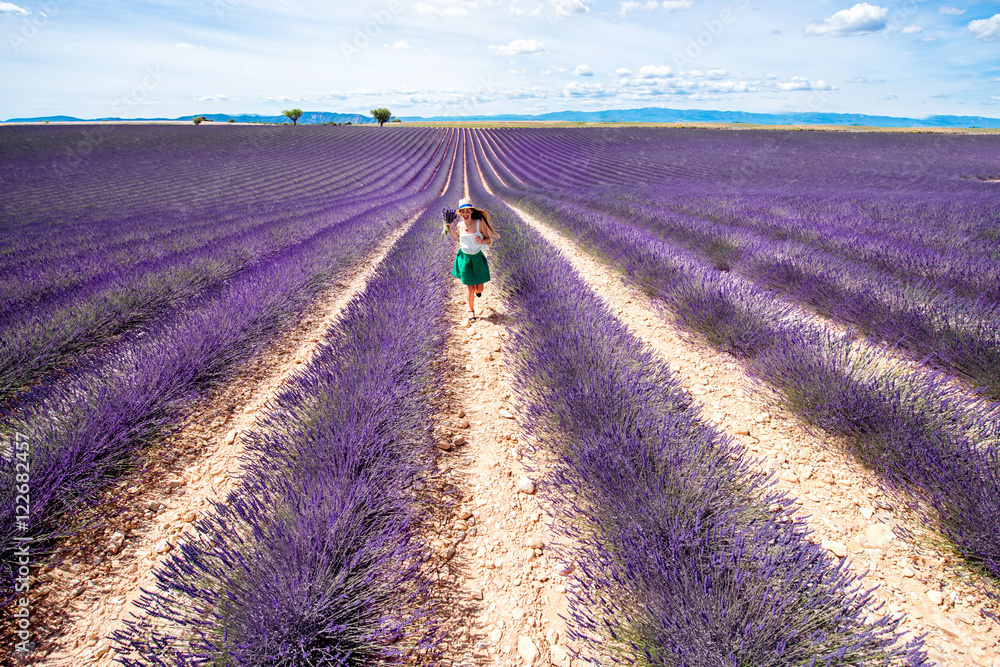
(451, 230)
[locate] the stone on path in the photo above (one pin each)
(878, 535)
(836, 548)
(559, 656)
(527, 650)
(947, 626)
(788, 476)
(526, 485)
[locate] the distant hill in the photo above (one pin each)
(54, 119)
(647, 115)
(663, 115)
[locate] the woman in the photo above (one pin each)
(473, 232)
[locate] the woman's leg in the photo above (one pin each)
(472, 299)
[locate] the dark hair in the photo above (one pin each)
(480, 214)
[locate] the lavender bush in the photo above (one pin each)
(682, 560)
(934, 447)
(312, 559)
(954, 333)
(90, 429)
(66, 296)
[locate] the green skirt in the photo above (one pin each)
(471, 269)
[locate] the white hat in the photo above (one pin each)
(464, 203)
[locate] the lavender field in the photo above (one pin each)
(855, 277)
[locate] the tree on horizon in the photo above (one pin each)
(294, 114)
(382, 115)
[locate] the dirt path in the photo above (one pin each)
(499, 584)
(98, 589)
(498, 581)
(846, 511)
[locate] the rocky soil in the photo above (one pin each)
(846, 511)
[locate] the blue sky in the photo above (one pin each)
(465, 57)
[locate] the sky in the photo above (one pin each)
(141, 59)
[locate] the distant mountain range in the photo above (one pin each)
(662, 115)
(647, 115)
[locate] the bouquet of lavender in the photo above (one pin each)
(449, 216)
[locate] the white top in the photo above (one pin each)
(470, 242)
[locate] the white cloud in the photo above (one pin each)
(912, 29)
(185, 45)
(623, 71)
(861, 19)
(577, 89)
(631, 7)
(569, 7)
(518, 47)
(711, 73)
(708, 83)
(583, 70)
(987, 30)
(802, 83)
(674, 5)
(10, 8)
(951, 10)
(401, 45)
(654, 71)
(553, 70)
(223, 98)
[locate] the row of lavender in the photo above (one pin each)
(100, 237)
(933, 444)
(685, 554)
(312, 559)
(89, 429)
(940, 303)
(906, 204)
(114, 268)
